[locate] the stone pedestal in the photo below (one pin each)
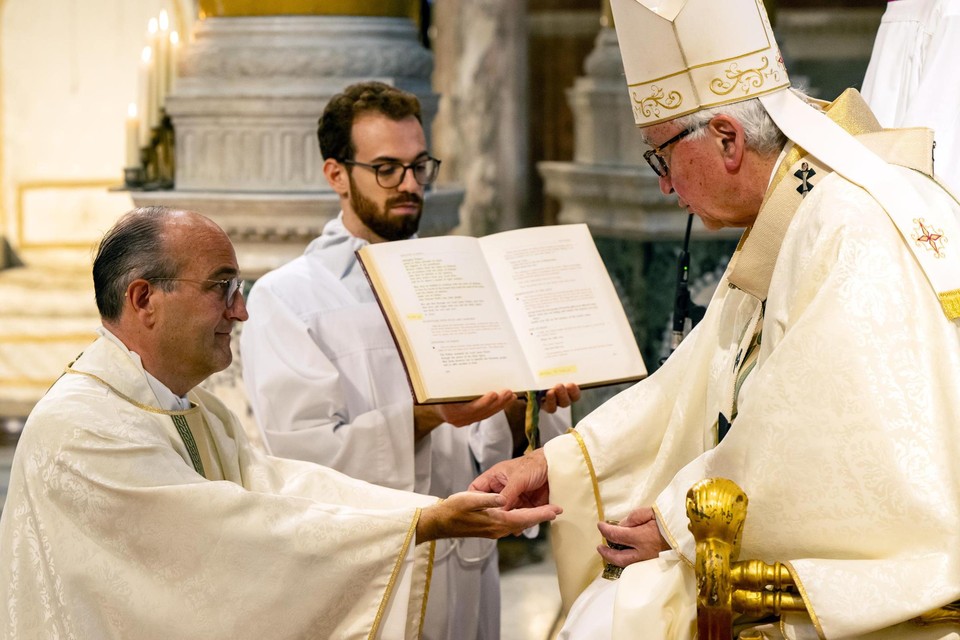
(251, 89)
(245, 110)
(609, 185)
(269, 229)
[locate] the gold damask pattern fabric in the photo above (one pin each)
(846, 433)
(110, 532)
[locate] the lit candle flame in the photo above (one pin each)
(132, 110)
(164, 20)
(146, 54)
(152, 25)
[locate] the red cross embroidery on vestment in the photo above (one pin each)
(932, 239)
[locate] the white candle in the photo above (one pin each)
(161, 48)
(148, 104)
(133, 137)
(174, 53)
(153, 40)
(153, 27)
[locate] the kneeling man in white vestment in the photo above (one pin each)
(138, 509)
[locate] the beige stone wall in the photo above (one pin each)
(67, 73)
(68, 69)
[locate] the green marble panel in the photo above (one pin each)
(644, 274)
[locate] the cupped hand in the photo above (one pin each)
(476, 514)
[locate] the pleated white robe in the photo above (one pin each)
(913, 79)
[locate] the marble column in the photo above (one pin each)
(481, 129)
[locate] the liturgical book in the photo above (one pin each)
(523, 310)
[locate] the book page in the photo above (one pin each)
(563, 306)
(459, 338)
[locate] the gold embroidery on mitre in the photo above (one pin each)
(650, 106)
(746, 79)
(929, 238)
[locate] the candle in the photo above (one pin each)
(153, 40)
(174, 53)
(133, 137)
(161, 48)
(147, 94)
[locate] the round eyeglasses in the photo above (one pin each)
(392, 174)
(230, 286)
(656, 161)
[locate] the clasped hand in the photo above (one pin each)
(522, 482)
(639, 532)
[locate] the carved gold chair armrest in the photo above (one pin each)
(726, 587)
(948, 613)
(717, 510)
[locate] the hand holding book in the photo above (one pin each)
(462, 414)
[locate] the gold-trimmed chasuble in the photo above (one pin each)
(193, 430)
(190, 425)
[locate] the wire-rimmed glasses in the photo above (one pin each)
(230, 286)
(656, 161)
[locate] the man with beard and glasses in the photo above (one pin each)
(324, 376)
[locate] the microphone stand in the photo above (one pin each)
(681, 299)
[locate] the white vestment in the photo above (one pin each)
(913, 79)
(838, 369)
(327, 385)
(126, 520)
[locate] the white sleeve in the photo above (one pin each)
(937, 98)
(554, 424)
(491, 441)
(299, 402)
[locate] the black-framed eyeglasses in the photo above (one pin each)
(230, 286)
(392, 174)
(656, 161)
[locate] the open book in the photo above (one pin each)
(522, 310)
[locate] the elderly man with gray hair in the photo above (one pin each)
(822, 380)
